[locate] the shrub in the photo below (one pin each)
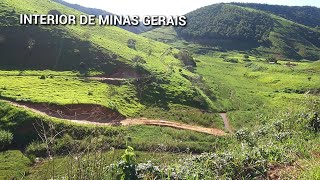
(132, 44)
(186, 58)
(126, 168)
(315, 122)
(54, 12)
(36, 149)
(271, 60)
(232, 60)
(42, 77)
(5, 139)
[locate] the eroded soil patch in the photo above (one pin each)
(80, 112)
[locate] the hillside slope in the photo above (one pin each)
(93, 11)
(305, 15)
(159, 78)
(231, 27)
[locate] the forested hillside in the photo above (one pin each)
(226, 27)
(221, 22)
(306, 15)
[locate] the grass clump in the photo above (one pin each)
(13, 165)
(5, 139)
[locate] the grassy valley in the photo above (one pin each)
(91, 102)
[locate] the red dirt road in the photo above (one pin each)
(129, 122)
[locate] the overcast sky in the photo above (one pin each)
(171, 7)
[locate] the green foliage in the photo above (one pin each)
(312, 172)
(222, 22)
(223, 27)
(126, 168)
(132, 44)
(232, 160)
(14, 165)
(315, 123)
(186, 58)
(271, 60)
(305, 15)
(54, 12)
(245, 160)
(100, 49)
(70, 89)
(6, 138)
(128, 165)
(184, 114)
(43, 77)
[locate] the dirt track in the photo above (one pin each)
(129, 122)
(226, 122)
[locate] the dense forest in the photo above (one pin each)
(306, 15)
(226, 22)
(234, 27)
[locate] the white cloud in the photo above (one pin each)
(170, 7)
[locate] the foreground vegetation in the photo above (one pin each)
(271, 148)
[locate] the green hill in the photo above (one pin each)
(111, 51)
(231, 27)
(306, 15)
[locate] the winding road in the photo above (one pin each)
(130, 122)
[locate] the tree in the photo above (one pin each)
(132, 44)
(54, 12)
(186, 58)
(272, 59)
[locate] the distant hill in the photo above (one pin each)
(225, 22)
(93, 11)
(233, 27)
(306, 15)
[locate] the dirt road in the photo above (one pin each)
(130, 122)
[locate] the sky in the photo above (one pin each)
(171, 7)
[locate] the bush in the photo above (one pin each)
(186, 58)
(315, 122)
(37, 149)
(126, 168)
(132, 44)
(5, 139)
(42, 77)
(271, 60)
(232, 60)
(54, 12)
